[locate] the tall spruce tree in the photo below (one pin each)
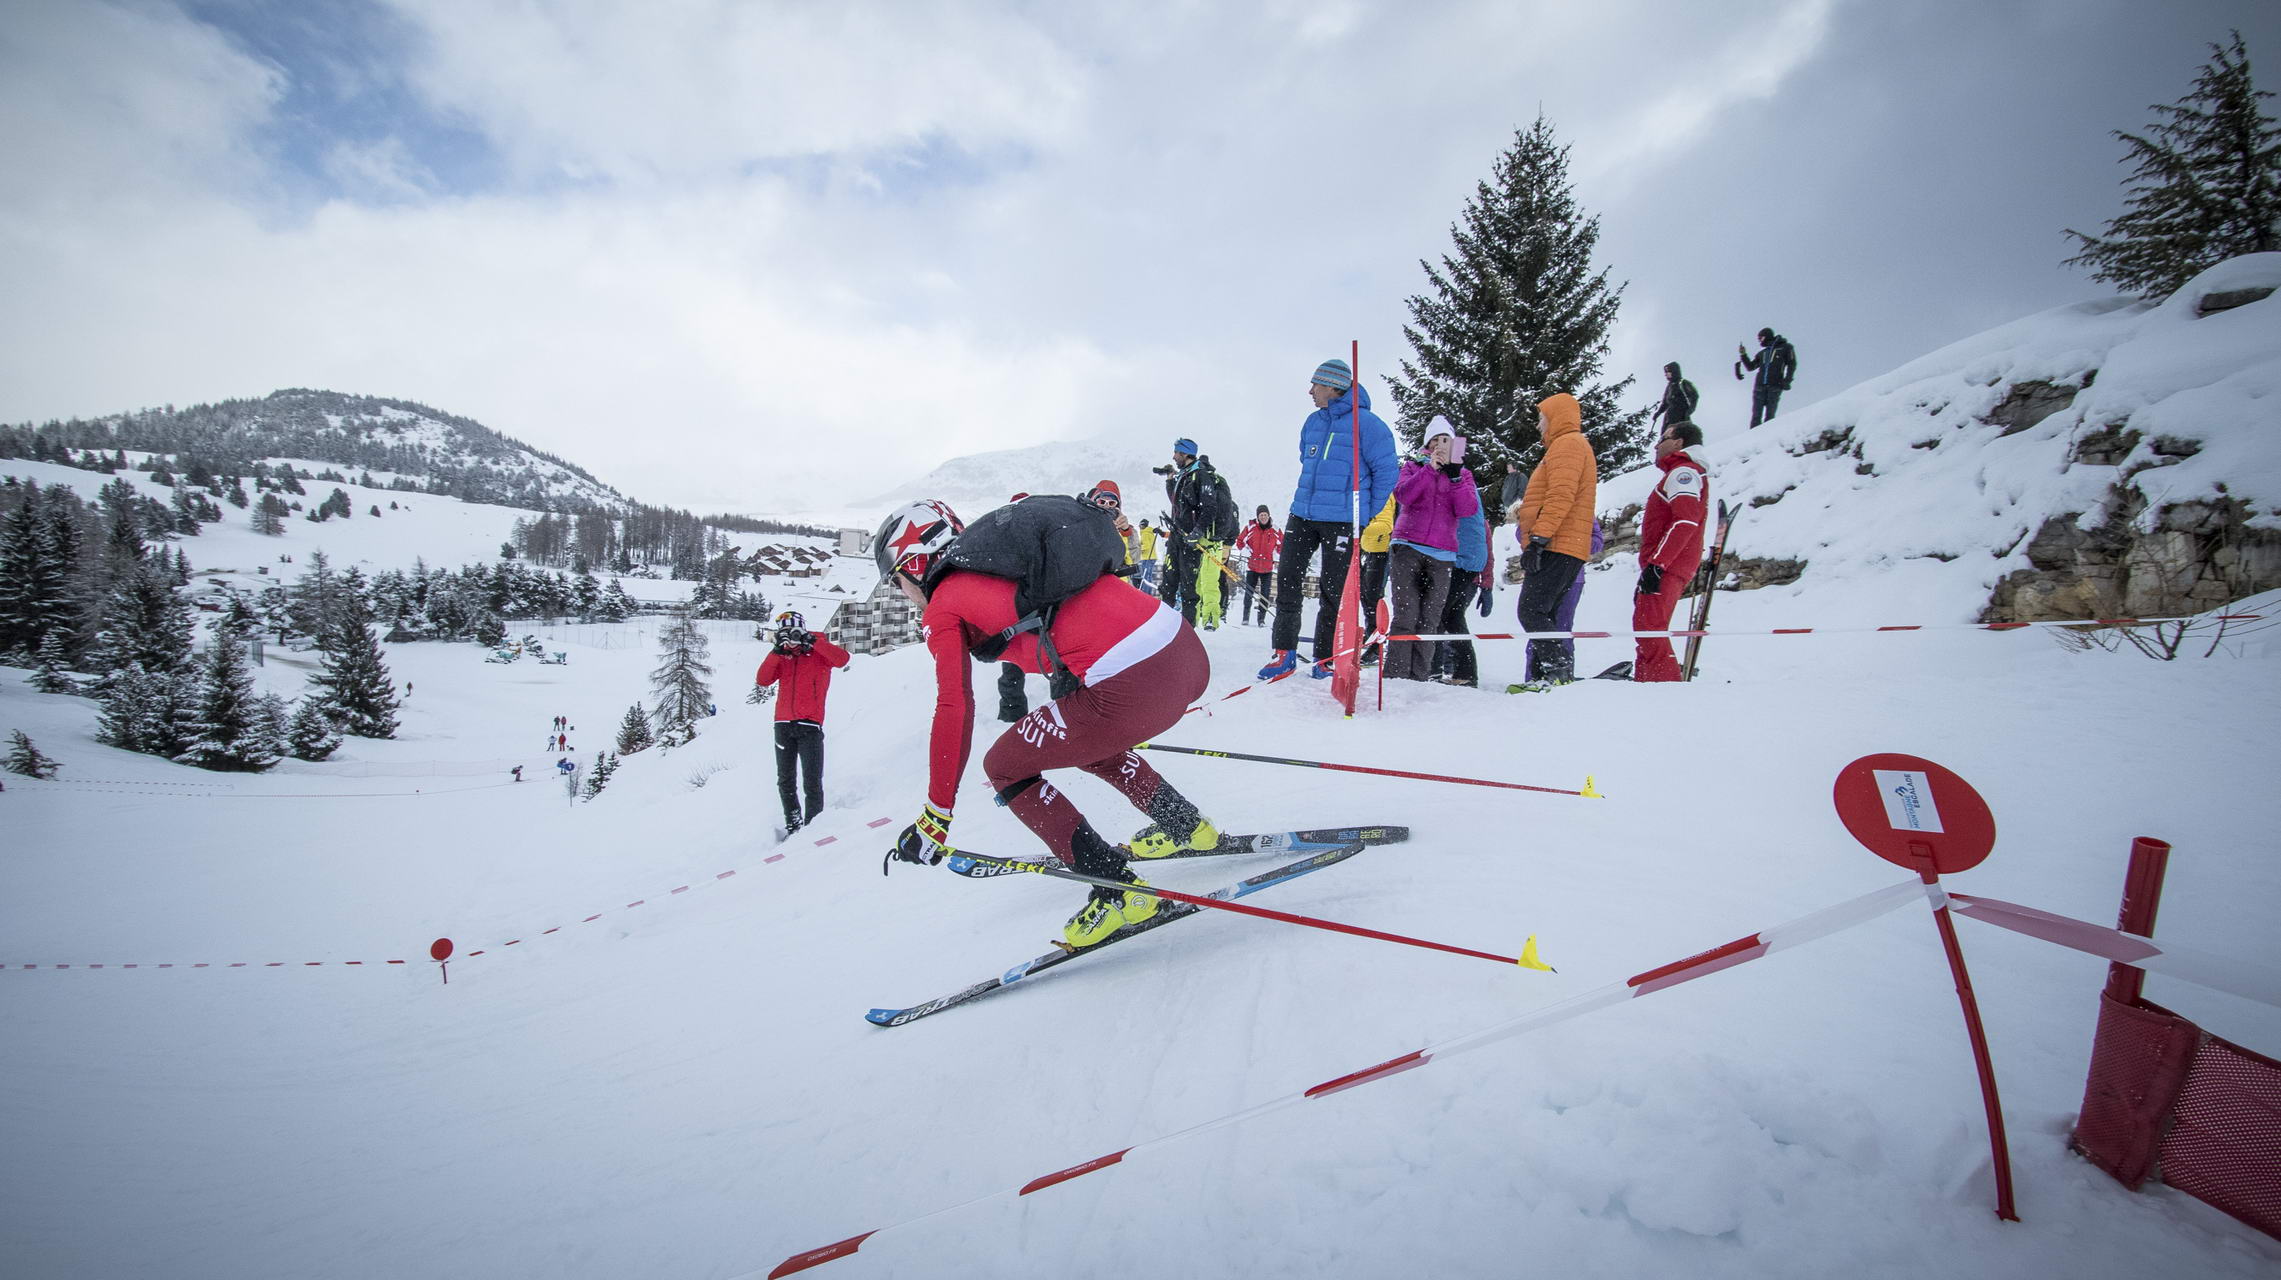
(145, 621)
(33, 579)
(683, 696)
(353, 680)
(1515, 313)
(228, 728)
(2207, 185)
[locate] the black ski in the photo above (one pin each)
(1261, 842)
(1702, 615)
(1165, 915)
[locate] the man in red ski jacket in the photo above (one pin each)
(1670, 546)
(1125, 667)
(800, 665)
(1260, 541)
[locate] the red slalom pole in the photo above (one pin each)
(1587, 792)
(1999, 1149)
(1526, 960)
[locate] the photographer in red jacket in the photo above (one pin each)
(800, 665)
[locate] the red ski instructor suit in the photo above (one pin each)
(1671, 536)
(1138, 667)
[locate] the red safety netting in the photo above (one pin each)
(2167, 1100)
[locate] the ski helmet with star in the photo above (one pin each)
(911, 536)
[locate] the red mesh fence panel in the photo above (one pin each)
(2224, 1144)
(2138, 1065)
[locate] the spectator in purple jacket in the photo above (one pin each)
(1432, 495)
(1565, 618)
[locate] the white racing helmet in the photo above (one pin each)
(911, 536)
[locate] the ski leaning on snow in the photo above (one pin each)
(1165, 914)
(1264, 842)
(1702, 613)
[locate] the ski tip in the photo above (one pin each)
(1590, 792)
(881, 1017)
(1529, 958)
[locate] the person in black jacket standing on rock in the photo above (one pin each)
(1679, 399)
(1776, 363)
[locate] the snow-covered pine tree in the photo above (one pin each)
(271, 719)
(353, 679)
(598, 777)
(136, 711)
(633, 731)
(226, 727)
(53, 675)
(678, 682)
(24, 758)
(145, 621)
(309, 734)
(269, 515)
(2207, 186)
(615, 604)
(33, 578)
(489, 631)
(1515, 313)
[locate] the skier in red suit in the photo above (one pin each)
(1670, 546)
(1127, 668)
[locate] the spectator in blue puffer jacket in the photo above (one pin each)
(1322, 509)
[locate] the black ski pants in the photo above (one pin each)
(1541, 593)
(1258, 584)
(1179, 589)
(1457, 655)
(1763, 401)
(800, 760)
(1302, 538)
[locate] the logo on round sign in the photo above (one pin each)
(1914, 813)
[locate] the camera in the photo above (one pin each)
(1161, 471)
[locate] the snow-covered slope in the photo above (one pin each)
(667, 1073)
(1918, 492)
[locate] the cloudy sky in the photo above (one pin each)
(739, 255)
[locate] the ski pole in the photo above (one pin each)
(1588, 792)
(1527, 959)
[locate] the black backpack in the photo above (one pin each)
(1052, 547)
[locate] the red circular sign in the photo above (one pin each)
(1906, 808)
(440, 949)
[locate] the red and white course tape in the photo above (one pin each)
(512, 942)
(1828, 631)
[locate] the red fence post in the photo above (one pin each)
(2142, 895)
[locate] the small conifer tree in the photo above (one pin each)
(228, 727)
(678, 681)
(633, 731)
(24, 758)
(52, 675)
(309, 734)
(2207, 186)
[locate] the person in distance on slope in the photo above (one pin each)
(1124, 666)
(1679, 398)
(1670, 546)
(800, 664)
(1146, 578)
(1776, 364)
(1322, 509)
(1259, 544)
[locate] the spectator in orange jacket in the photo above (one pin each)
(1553, 521)
(800, 664)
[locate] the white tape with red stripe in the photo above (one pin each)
(1829, 920)
(2219, 973)
(1827, 631)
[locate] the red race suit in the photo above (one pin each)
(1138, 665)
(1670, 535)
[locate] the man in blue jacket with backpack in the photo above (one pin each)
(1322, 510)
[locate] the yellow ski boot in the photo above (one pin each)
(1153, 841)
(1107, 911)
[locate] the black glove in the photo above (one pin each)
(1532, 556)
(1650, 579)
(1452, 469)
(1483, 605)
(923, 842)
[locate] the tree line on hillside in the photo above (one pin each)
(83, 594)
